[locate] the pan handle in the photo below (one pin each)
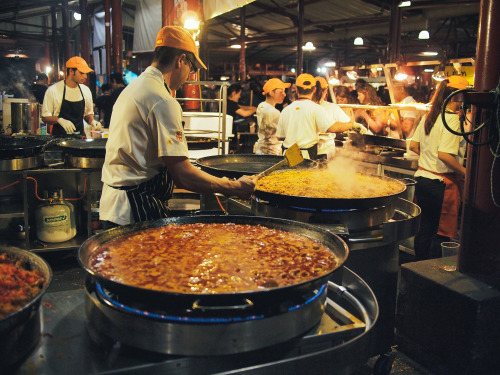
(246, 305)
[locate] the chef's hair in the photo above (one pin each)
(165, 56)
(304, 91)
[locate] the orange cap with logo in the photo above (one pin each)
(322, 82)
(458, 82)
(273, 84)
(305, 81)
(178, 37)
(78, 63)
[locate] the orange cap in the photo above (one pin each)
(458, 82)
(178, 37)
(305, 81)
(273, 84)
(322, 82)
(78, 63)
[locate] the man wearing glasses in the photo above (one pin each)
(146, 153)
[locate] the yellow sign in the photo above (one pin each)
(466, 71)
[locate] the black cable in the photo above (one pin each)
(464, 133)
(493, 124)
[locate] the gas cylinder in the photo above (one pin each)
(55, 219)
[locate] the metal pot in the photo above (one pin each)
(336, 245)
(237, 165)
(20, 147)
(84, 153)
(21, 330)
(25, 117)
(330, 203)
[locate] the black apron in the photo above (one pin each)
(149, 199)
(72, 111)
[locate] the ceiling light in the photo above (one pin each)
(403, 4)
(429, 53)
(224, 78)
(400, 76)
(17, 55)
(330, 64)
(48, 69)
(334, 81)
(358, 41)
(292, 70)
(77, 16)
(236, 46)
(352, 75)
(192, 24)
(439, 73)
(309, 46)
(424, 34)
(428, 70)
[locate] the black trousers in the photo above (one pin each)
(430, 195)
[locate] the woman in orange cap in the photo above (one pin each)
(268, 116)
(440, 167)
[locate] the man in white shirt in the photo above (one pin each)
(147, 152)
(301, 121)
(67, 103)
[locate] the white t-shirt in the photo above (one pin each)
(54, 95)
(146, 124)
(267, 119)
(439, 139)
(336, 112)
(410, 114)
(301, 121)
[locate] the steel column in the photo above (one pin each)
(66, 48)
(117, 51)
(55, 46)
(107, 30)
(243, 70)
(480, 226)
(300, 36)
(84, 31)
(394, 42)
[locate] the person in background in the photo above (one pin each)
(68, 103)
(40, 87)
(408, 119)
(268, 116)
(117, 86)
(146, 152)
(104, 105)
(341, 121)
(440, 167)
(303, 120)
(233, 107)
(344, 96)
(242, 115)
(375, 120)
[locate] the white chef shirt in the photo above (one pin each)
(301, 121)
(335, 111)
(267, 119)
(54, 96)
(146, 124)
(439, 139)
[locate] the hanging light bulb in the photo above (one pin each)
(439, 73)
(309, 46)
(424, 34)
(352, 74)
(358, 41)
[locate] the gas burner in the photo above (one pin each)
(354, 219)
(236, 331)
(201, 314)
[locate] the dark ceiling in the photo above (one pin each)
(271, 30)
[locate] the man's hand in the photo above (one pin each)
(359, 128)
(244, 186)
(67, 125)
(96, 125)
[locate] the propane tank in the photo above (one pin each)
(55, 219)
